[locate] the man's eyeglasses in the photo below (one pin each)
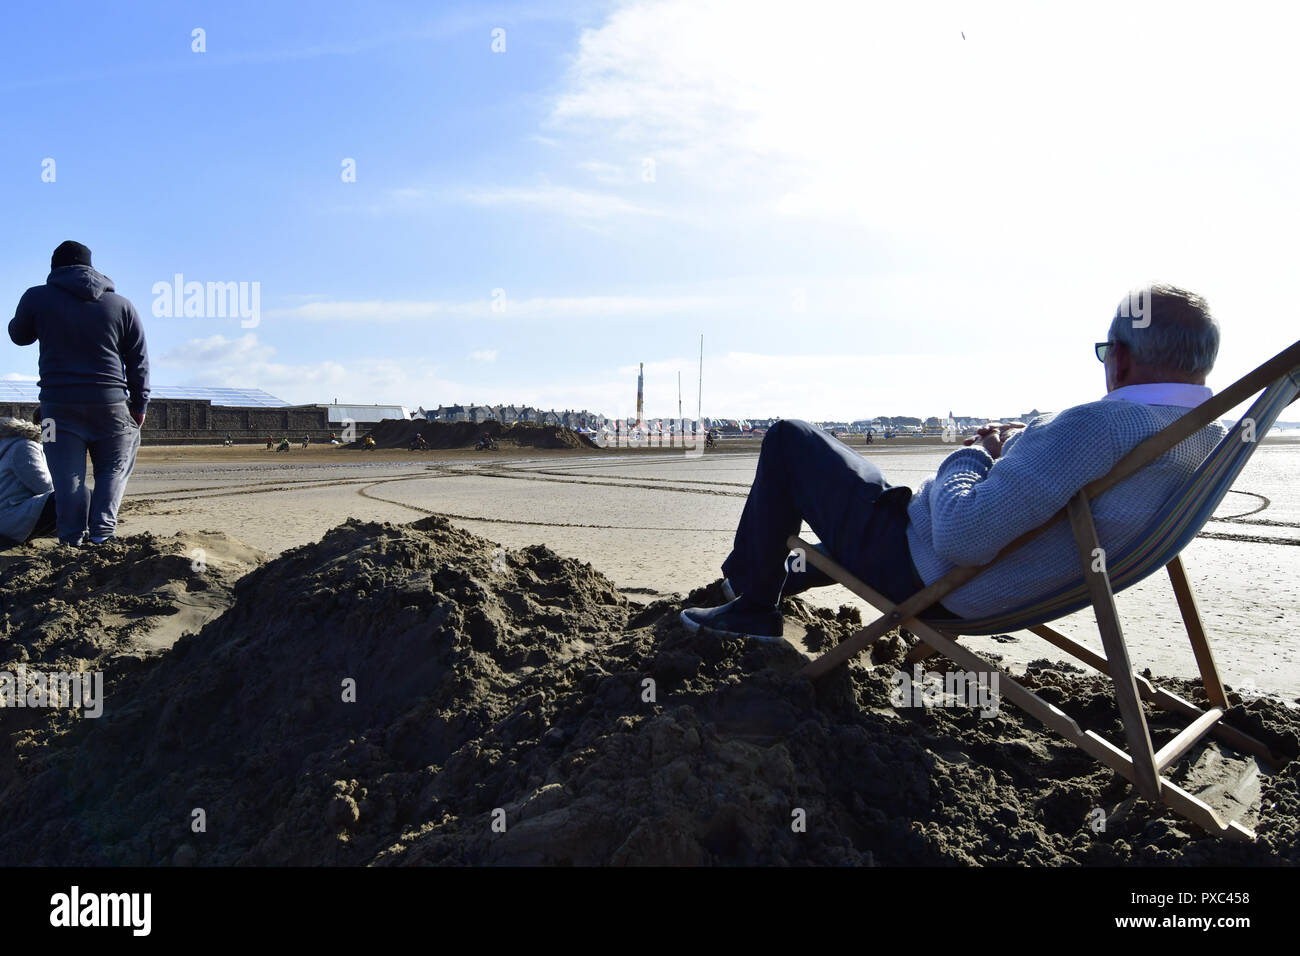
(1103, 348)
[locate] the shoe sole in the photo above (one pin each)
(695, 627)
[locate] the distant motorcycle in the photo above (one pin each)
(486, 443)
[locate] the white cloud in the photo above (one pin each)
(610, 174)
(561, 200)
(839, 386)
(1139, 138)
(484, 355)
(884, 115)
(1018, 180)
(501, 306)
(247, 362)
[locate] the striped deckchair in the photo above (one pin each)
(1158, 545)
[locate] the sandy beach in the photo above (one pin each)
(659, 523)
(386, 658)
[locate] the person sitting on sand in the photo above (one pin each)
(284, 444)
(26, 490)
(1007, 481)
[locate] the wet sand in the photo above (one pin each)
(659, 523)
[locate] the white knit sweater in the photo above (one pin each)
(974, 505)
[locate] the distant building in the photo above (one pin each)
(29, 393)
(447, 413)
(340, 415)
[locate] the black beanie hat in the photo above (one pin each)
(70, 254)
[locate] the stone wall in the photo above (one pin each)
(183, 421)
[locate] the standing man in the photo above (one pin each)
(94, 388)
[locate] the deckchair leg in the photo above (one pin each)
(1094, 745)
(1147, 778)
(1196, 632)
(922, 650)
(896, 616)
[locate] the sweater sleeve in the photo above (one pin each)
(22, 327)
(28, 464)
(979, 505)
(135, 360)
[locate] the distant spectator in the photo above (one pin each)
(94, 388)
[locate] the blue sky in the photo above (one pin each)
(861, 211)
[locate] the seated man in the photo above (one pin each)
(1007, 481)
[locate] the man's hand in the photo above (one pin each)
(993, 436)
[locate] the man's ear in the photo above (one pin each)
(1123, 364)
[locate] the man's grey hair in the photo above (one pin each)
(1168, 328)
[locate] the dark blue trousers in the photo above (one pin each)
(806, 475)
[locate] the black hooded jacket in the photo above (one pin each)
(92, 341)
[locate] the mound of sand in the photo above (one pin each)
(398, 433)
(108, 609)
(65, 607)
(416, 695)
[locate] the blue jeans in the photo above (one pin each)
(806, 475)
(111, 436)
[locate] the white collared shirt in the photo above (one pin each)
(1181, 394)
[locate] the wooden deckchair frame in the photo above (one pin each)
(1141, 765)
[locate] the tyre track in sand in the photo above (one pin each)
(521, 471)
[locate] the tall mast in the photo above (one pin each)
(640, 408)
(699, 406)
